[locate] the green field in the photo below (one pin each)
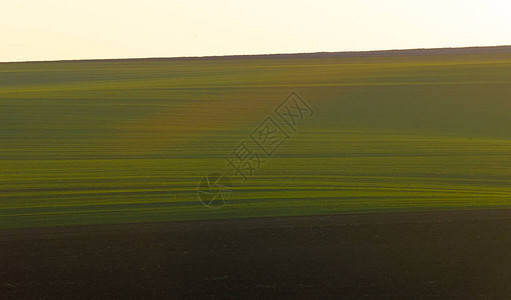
(92, 142)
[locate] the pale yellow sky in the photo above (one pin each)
(58, 29)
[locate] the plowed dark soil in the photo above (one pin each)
(400, 255)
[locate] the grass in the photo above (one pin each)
(96, 142)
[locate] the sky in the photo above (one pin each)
(68, 29)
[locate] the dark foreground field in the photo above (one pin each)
(399, 255)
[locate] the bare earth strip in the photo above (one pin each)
(456, 254)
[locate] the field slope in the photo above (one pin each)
(117, 141)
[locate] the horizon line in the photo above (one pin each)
(347, 53)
